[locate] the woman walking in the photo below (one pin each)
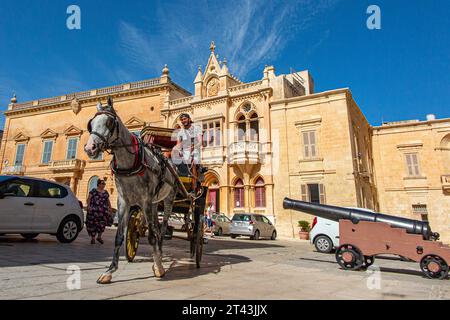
(99, 210)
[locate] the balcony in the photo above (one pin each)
(244, 152)
(445, 179)
(66, 165)
(14, 170)
(213, 155)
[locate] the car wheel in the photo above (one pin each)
(323, 244)
(274, 235)
(68, 230)
(220, 232)
(29, 236)
(255, 236)
(233, 236)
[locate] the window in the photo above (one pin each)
(412, 164)
(17, 188)
(314, 192)
(241, 217)
(211, 134)
(254, 127)
(260, 193)
(50, 190)
(239, 194)
(420, 209)
(72, 145)
(92, 183)
(309, 144)
(20, 151)
(265, 220)
(242, 128)
(47, 152)
(250, 125)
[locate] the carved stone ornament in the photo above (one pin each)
(76, 106)
(213, 87)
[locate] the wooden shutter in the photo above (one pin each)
(304, 190)
(312, 143)
(322, 193)
(415, 164)
(306, 144)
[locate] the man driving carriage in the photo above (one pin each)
(186, 155)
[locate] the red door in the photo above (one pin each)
(214, 199)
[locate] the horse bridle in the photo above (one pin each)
(112, 125)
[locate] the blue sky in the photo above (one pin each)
(399, 72)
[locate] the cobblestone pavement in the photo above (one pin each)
(231, 269)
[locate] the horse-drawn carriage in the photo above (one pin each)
(190, 200)
(147, 182)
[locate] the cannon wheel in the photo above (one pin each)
(368, 261)
(349, 257)
(434, 267)
(133, 234)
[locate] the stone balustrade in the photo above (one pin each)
(89, 94)
(246, 86)
(14, 170)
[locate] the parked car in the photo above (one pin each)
(221, 224)
(30, 206)
(324, 233)
(254, 225)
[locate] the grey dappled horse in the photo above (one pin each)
(137, 177)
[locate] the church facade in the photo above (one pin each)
(262, 141)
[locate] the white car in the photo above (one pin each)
(30, 206)
(324, 233)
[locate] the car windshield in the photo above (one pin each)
(241, 217)
(4, 178)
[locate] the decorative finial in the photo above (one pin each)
(14, 99)
(224, 61)
(165, 71)
(199, 68)
(212, 46)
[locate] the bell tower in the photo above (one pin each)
(215, 79)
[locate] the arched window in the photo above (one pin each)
(239, 194)
(254, 127)
(260, 193)
(241, 128)
(92, 183)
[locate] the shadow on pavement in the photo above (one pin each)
(46, 250)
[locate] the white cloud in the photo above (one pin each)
(248, 33)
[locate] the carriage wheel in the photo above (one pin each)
(368, 261)
(349, 257)
(434, 267)
(133, 235)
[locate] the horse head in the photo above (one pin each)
(102, 128)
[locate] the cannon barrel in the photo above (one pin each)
(336, 213)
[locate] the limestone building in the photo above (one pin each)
(262, 141)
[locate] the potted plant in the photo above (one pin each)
(304, 229)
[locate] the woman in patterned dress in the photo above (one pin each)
(99, 210)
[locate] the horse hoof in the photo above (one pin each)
(104, 279)
(159, 272)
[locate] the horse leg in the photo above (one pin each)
(168, 206)
(154, 238)
(123, 212)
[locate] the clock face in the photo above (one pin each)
(213, 87)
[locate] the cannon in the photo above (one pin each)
(363, 235)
